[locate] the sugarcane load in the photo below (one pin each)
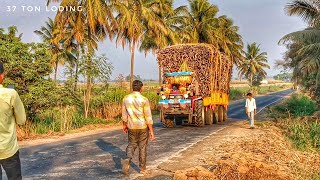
(196, 84)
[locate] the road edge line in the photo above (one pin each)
(176, 154)
(271, 103)
(185, 148)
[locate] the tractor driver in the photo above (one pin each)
(175, 89)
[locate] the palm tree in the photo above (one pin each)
(202, 25)
(254, 63)
(308, 10)
(229, 40)
(198, 24)
(134, 18)
(167, 35)
(49, 35)
(87, 27)
(306, 43)
(200, 21)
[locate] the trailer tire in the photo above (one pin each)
(168, 123)
(225, 114)
(199, 111)
(215, 117)
(209, 116)
(220, 114)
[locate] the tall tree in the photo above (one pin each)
(88, 26)
(303, 46)
(200, 22)
(255, 62)
(167, 35)
(134, 19)
(202, 25)
(197, 24)
(49, 35)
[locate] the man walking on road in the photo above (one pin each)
(251, 109)
(12, 112)
(137, 122)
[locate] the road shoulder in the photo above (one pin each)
(238, 152)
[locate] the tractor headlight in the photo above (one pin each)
(163, 97)
(186, 96)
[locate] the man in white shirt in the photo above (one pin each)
(251, 109)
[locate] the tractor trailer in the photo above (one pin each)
(196, 85)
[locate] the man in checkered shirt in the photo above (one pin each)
(137, 122)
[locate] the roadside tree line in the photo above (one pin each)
(71, 39)
(302, 56)
(146, 26)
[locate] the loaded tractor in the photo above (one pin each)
(195, 88)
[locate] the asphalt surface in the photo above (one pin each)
(99, 156)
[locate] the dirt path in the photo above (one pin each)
(238, 152)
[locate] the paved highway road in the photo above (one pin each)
(98, 156)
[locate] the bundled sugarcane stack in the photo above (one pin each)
(212, 69)
(226, 73)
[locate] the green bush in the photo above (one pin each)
(297, 106)
(304, 133)
(236, 94)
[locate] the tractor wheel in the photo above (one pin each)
(209, 116)
(220, 113)
(178, 120)
(167, 123)
(199, 111)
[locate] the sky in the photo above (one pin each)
(261, 21)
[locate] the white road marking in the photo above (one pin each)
(177, 154)
(272, 103)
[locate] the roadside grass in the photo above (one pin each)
(316, 176)
(294, 116)
(58, 126)
(267, 89)
(240, 92)
(304, 134)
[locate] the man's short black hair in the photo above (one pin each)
(1, 68)
(137, 85)
(249, 94)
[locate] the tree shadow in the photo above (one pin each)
(116, 152)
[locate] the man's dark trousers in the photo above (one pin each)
(12, 167)
(138, 138)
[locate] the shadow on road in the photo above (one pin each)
(116, 152)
